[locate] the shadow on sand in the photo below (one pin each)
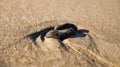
(81, 33)
(41, 33)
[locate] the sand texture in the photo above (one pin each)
(23, 22)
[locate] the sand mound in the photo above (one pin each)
(83, 49)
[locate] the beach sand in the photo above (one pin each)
(19, 18)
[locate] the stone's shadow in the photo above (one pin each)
(83, 31)
(41, 33)
(65, 36)
(79, 33)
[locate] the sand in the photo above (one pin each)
(19, 18)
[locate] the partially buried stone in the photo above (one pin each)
(61, 34)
